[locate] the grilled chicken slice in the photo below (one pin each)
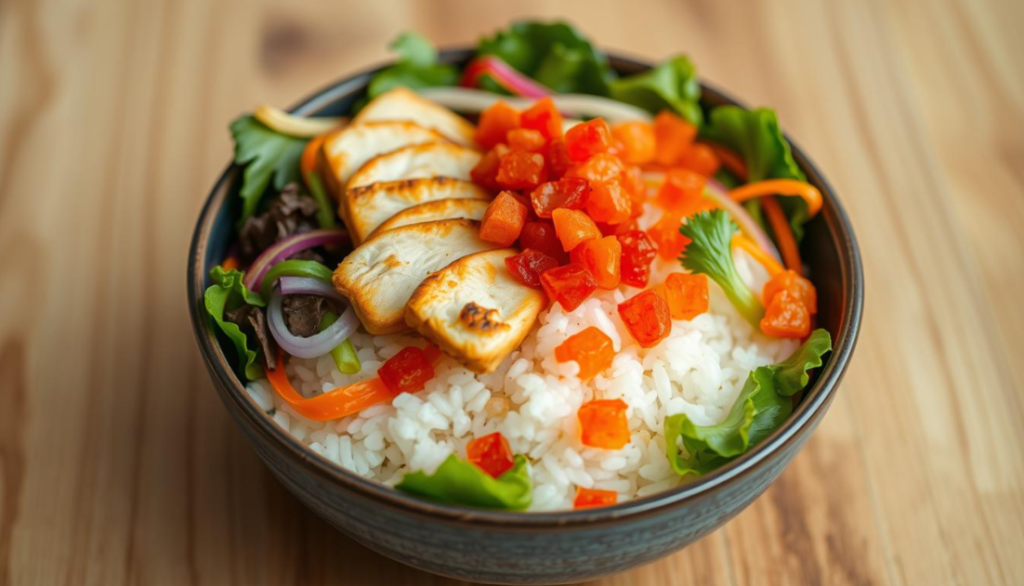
(442, 209)
(474, 310)
(436, 159)
(404, 104)
(347, 149)
(380, 275)
(369, 206)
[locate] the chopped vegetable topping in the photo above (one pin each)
(521, 170)
(528, 265)
(570, 192)
(540, 235)
(700, 158)
(544, 117)
(667, 237)
(587, 498)
(600, 167)
(587, 139)
(681, 188)
(491, 454)
(673, 137)
(495, 124)
(609, 203)
(798, 286)
(638, 252)
(591, 348)
(603, 424)
(525, 139)
(406, 372)
(647, 317)
(687, 295)
(569, 285)
(639, 143)
(503, 220)
(458, 482)
(485, 172)
(602, 257)
(558, 158)
(573, 227)
(786, 317)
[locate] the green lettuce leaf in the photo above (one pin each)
(672, 85)
(265, 154)
(417, 67)
(554, 54)
(762, 406)
(227, 293)
(458, 482)
(755, 135)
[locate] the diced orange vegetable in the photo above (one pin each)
(491, 453)
(567, 192)
(600, 167)
(666, 236)
(307, 163)
(587, 139)
(633, 182)
(602, 257)
(701, 159)
(638, 252)
(609, 203)
(495, 123)
(587, 498)
(603, 424)
(573, 227)
(797, 286)
(592, 349)
(526, 139)
(503, 220)
(681, 186)
(230, 263)
(557, 157)
(540, 235)
(673, 137)
(638, 139)
(647, 317)
(521, 170)
(543, 116)
(786, 317)
(687, 295)
(568, 285)
(485, 173)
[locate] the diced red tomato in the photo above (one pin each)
(797, 286)
(526, 139)
(666, 236)
(687, 295)
(701, 159)
(495, 122)
(587, 498)
(609, 203)
(540, 235)
(603, 424)
(485, 173)
(503, 220)
(543, 116)
(491, 453)
(680, 187)
(521, 170)
(600, 167)
(602, 257)
(527, 266)
(588, 138)
(616, 229)
(569, 285)
(786, 317)
(591, 348)
(647, 317)
(573, 227)
(633, 182)
(673, 137)
(638, 141)
(558, 158)
(638, 252)
(569, 192)
(406, 372)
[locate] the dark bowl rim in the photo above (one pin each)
(816, 398)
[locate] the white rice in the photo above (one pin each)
(532, 400)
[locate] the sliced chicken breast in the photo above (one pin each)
(347, 149)
(474, 310)
(380, 275)
(442, 209)
(367, 207)
(405, 104)
(436, 159)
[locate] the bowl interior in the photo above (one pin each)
(829, 248)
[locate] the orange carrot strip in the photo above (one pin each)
(808, 192)
(783, 234)
(230, 263)
(309, 154)
(339, 402)
(763, 258)
(731, 160)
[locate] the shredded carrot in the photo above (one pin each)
(337, 403)
(808, 192)
(783, 234)
(730, 160)
(230, 263)
(763, 258)
(309, 155)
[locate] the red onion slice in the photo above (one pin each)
(505, 75)
(288, 247)
(313, 346)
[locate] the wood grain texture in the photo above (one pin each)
(119, 466)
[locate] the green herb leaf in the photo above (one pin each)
(225, 294)
(755, 135)
(761, 407)
(417, 67)
(458, 482)
(673, 85)
(710, 253)
(265, 154)
(414, 49)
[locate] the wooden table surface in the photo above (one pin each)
(119, 465)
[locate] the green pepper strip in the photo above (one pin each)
(344, 355)
(324, 215)
(293, 268)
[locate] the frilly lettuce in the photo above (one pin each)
(226, 293)
(672, 85)
(458, 482)
(266, 154)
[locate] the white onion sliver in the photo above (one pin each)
(470, 100)
(309, 286)
(313, 346)
(746, 222)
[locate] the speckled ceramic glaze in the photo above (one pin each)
(531, 548)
